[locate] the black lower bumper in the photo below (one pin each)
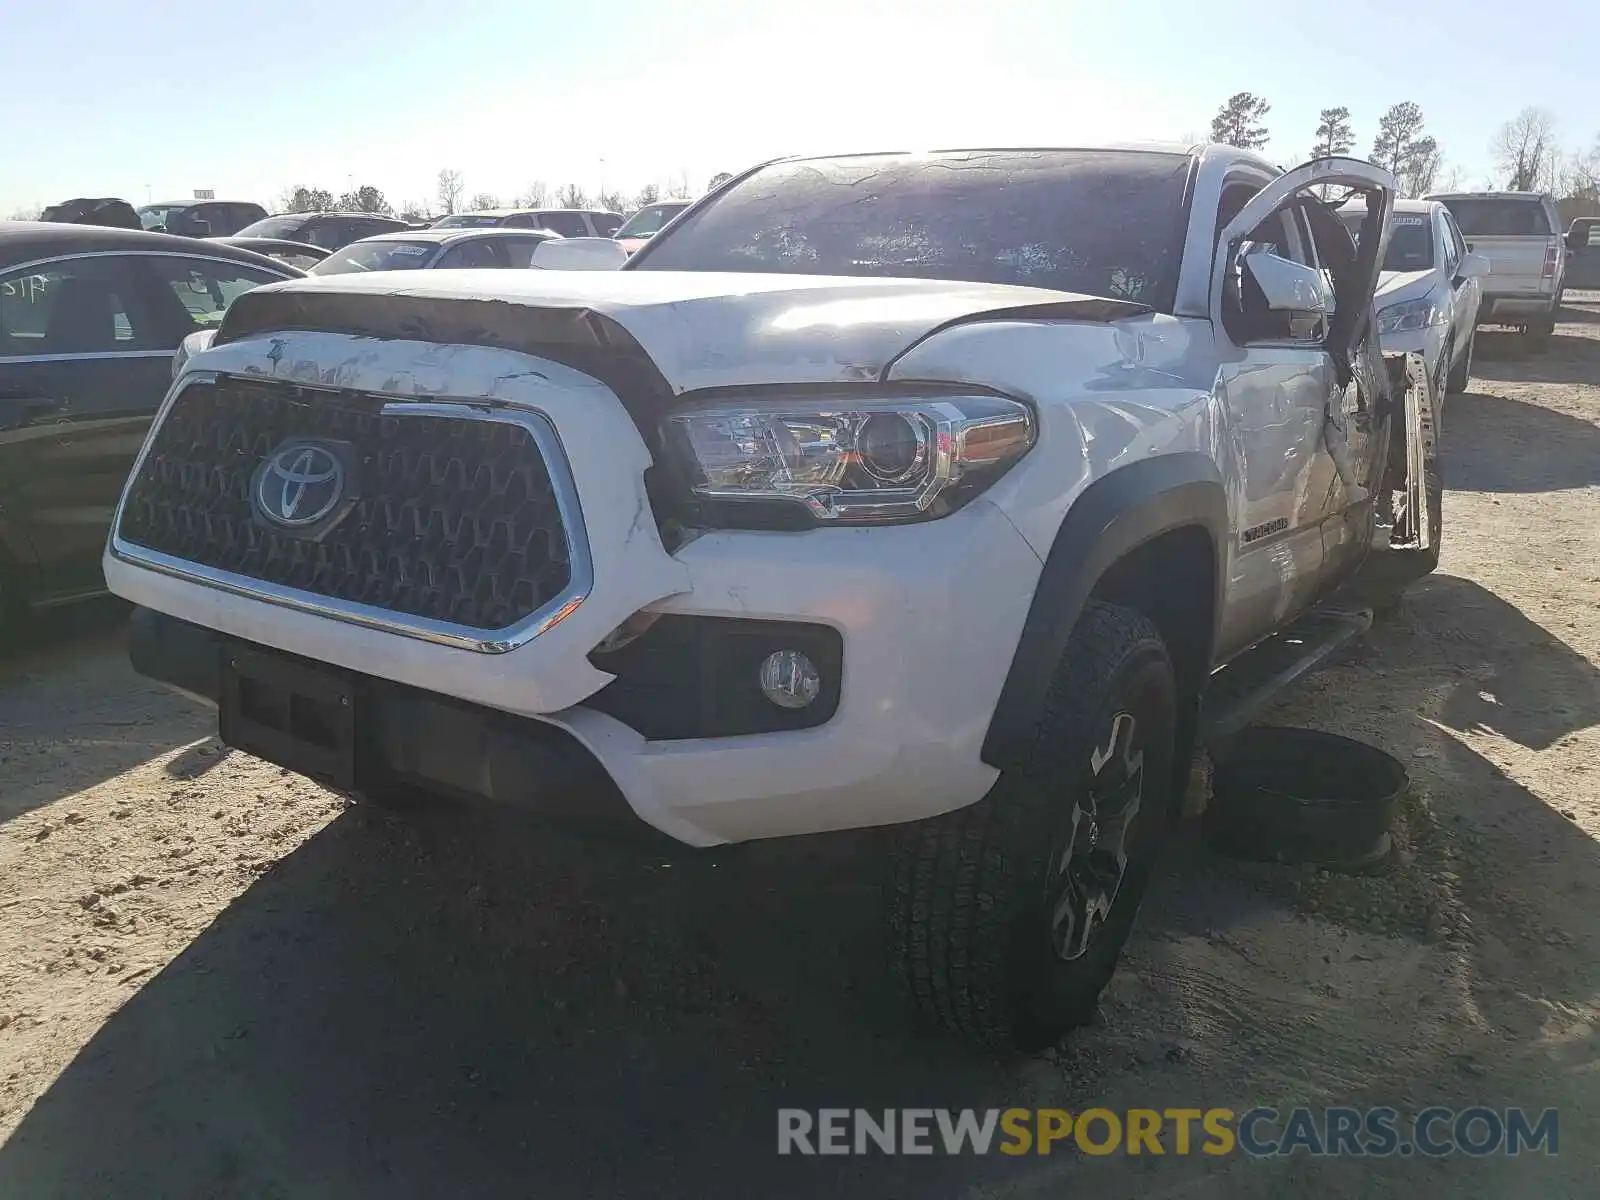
(402, 736)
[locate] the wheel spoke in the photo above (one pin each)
(1090, 868)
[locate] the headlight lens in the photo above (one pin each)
(846, 459)
(1412, 314)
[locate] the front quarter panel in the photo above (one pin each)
(1106, 395)
(1130, 446)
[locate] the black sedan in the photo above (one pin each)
(89, 319)
(297, 254)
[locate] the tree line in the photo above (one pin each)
(450, 197)
(1525, 150)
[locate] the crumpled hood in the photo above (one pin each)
(1395, 287)
(661, 332)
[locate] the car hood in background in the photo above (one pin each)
(658, 334)
(1395, 287)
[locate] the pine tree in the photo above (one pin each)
(1239, 121)
(1334, 135)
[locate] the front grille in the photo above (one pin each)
(456, 519)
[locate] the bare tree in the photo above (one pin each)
(648, 194)
(717, 180)
(535, 195)
(299, 199)
(450, 186)
(572, 195)
(413, 210)
(678, 185)
(1421, 168)
(29, 212)
(1452, 180)
(1580, 183)
(367, 199)
(612, 201)
(1525, 149)
(482, 200)
(1239, 121)
(1334, 133)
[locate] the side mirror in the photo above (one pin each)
(1472, 266)
(191, 345)
(578, 254)
(1287, 287)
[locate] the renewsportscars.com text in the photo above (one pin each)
(1258, 1132)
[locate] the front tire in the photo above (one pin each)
(1006, 919)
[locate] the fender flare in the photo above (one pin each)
(1114, 516)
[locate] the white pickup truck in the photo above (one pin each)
(1519, 233)
(960, 492)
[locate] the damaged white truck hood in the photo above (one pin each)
(696, 329)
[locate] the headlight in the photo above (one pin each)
(848, 459)
(1412, 314)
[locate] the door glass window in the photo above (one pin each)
(75, 306)
(567, 224)
(1448, 255)
(479, 253)
(205, 288)
(519, 250)
(328, 232)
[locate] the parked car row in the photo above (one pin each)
(89, 319)
(568, 222)
(332, 230)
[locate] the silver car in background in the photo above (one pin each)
(437, 250)
(1430, 289)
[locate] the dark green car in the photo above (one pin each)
(89, 319)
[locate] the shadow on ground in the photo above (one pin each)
(1500, 355)
(73, 713)
(464, 1003)
(1535, 449)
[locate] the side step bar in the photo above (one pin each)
(1238, 692)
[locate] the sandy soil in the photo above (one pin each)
(217, 980)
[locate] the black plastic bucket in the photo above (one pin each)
(1303, 796)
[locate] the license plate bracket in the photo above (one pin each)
(297, 714)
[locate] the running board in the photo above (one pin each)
(1238, 692)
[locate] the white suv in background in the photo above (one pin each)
(1429, 292)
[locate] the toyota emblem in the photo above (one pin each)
(299, 485)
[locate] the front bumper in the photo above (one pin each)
(929, 616)
(412, 737)
(1428, 342)
(1511, 310)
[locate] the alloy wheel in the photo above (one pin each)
(1089, 870)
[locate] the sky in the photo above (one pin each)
(151, 102)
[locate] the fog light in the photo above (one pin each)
(789, 679)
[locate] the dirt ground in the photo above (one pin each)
(217, 980)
